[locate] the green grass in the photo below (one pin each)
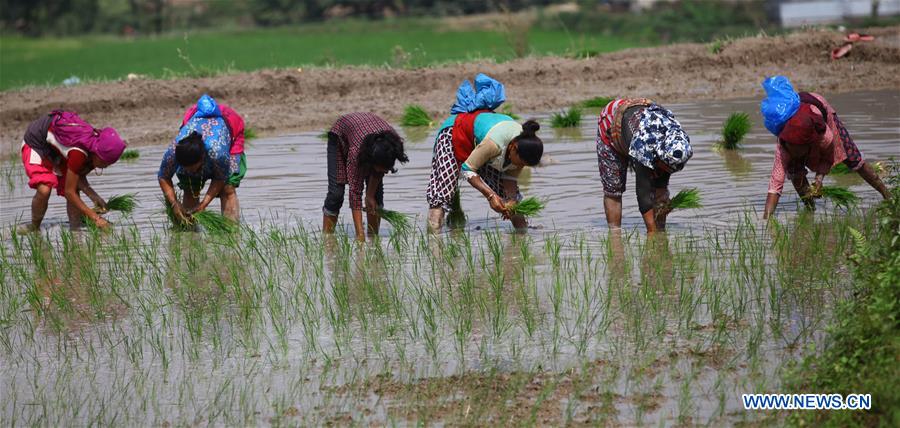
(860, 353)
(214, 222)
(735, 128)
(570, 118)
(130, 154)
(49, 61)
(415, 115)
(840, 196)
(528, 207)
(686, 199)
(250, 134)
(125, 203)
(597, 102)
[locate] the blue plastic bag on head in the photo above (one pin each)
(780, 104)
(487, 94)
(207, 107)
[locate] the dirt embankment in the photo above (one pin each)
(282, 101)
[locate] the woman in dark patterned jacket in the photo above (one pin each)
(639, 132)
(362, 147)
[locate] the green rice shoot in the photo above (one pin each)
(597, 102)
(840, 169)
(399, 221)
(507, 110)
(528, 207)
(124, 203)
(735, 128)
(840, 196)
(250, 134)
(214, 222)
(415, 115)
(686, 199)
(566, 119)
(130, 154)
(457, 217)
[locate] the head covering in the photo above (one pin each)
(781, 102)
(660, 136)
(108, 146)
(207, 107)
(804, 127)
(487, 94)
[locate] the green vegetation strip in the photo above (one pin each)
(399, 221)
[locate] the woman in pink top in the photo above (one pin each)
(815, 138)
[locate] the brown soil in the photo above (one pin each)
(282, 101)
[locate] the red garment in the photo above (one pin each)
(351, 129)
(804, 127)
(76, 161)
(464, 135)
(233, 121)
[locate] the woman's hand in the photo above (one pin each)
(100, 205)
(101, 222)
(180, 213)
(817, 186)
(371, 205)
(498, 205)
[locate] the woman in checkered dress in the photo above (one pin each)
(489, 150)
(362, 148)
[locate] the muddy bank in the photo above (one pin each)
(282, 101)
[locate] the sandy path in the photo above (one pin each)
(282, 101)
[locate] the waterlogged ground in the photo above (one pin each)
(568, 323)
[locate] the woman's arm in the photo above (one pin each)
(72, 197)
(85, 187)
(511, 187)
(493, 199)
(373, 217)
(168, 189)
(214, 189)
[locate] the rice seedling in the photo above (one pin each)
(840, 196)
(566, 119)
(597, 102)
(528, 207)
(125, 203)
(214, 222)
(507, 110)
(456, 218)
(736, 126)
(415, 115)
(840, 169)
(399, 221)
(250, 134)
(130, 154)
(686, 199)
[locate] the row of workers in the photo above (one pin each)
(488, 149)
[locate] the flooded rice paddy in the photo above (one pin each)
(568, 323)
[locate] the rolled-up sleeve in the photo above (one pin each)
(776, 181)
(479, 157)
(167, 166)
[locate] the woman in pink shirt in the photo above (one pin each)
(814, 138)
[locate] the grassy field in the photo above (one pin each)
(398, 43)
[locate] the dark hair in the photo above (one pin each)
(383, 149)
(190, 149)
(529, 146)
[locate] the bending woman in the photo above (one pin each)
(362, 148)
(209, 146)
(815, 138)
(58, 151)
(641, 133)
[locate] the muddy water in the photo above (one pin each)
(287, 175)
(143, 361)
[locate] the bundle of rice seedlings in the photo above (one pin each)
(415, 115)
(566, 119)
(176, 223)
(596, 102)
(686, 199)
(250, 134)
(124, 203)
(840, 196)
(399, 221)
(528, 207)
(214, 222)
(130, 154)
(840, 169)
(735, 128)
(457, 217)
